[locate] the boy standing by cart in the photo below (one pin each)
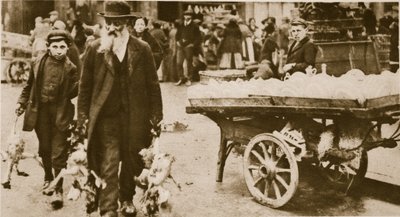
(302, 52)
(46, 101)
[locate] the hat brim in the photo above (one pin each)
(131, 15)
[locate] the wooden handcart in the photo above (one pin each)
(277, 132)
(16, 53)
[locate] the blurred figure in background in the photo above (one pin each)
(78, 34)
(269, 56)
(265, 22)
(369, 22)
(39, 36)
(53, 17)
(247, 43)
(159, 35)
(252, 25)
(230, 49)
(83, 12)
(256, 37)
(140, 31)
(188, 38)
(284, 34)
(169, 65)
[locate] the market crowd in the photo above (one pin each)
(115, 68)
(188, 45)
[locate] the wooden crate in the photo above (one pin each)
(340, 57)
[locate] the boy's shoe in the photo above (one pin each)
(46, 191)
(110, 214)
(188, 83)
(128, 209)
(57, 200)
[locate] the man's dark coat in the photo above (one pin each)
(30, 95)
(303, 54)
(143, 92)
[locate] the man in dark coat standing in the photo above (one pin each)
(46, 101)
(302, 52)
(188, 39)
(120, 95)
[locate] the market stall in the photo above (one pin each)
(328, 121)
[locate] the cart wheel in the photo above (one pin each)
(18, 71)
(270, 170)
(347, 174)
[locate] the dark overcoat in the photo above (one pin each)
(30, 95)
(232, 40)
(303, 54)
(155, 46)
(143, 92)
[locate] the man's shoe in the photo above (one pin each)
(180, 82)
(57, 201)
(188, 83)
(128, 209)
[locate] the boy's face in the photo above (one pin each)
(58, 49)
(298, 32)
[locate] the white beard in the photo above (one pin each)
(106, 42)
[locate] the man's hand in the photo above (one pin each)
(19, 110)
(288, 67)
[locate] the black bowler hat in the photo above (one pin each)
(188, 12)
(116, 9)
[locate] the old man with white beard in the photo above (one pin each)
(120, 95)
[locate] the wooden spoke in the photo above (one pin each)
(273, 152)
(353, 169)
(259, 157)
(266, 188)
(282, 181)
(282, 170)
(266, 155)
(253, 167)
(277, 160)
(277, 191)
(257, 181)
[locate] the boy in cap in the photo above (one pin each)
(302, 52)
(46, 101)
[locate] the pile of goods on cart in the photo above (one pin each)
(353, 85)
